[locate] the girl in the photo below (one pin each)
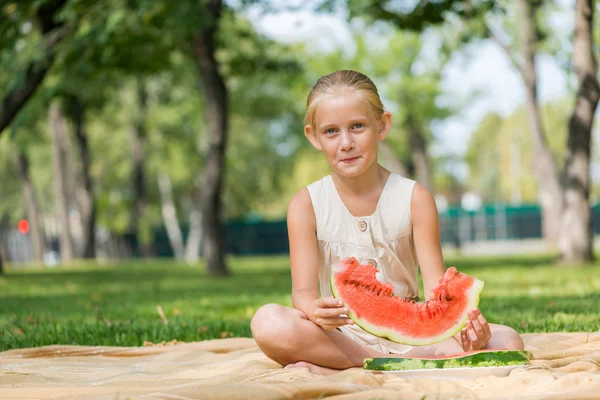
(360, 210)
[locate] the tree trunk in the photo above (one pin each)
(2, 258)
(194, 239)
(138, 149)
(390, 160)
(36, 71)
(420, 157)
(85, 194)
(545, 166)
(169, 214)
(213, 246)
(577, 234)
(37, 240)
(58, 129)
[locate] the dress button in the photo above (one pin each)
(372, 262)
(362, 226)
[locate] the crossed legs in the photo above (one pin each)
(287, 336)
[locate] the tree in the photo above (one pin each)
(501, 153)
(97, 44)
(85, 194)
(1, 258)
(576, 238)
(217, 116)
(46, 16)
(58, 129)
(37, 241)
(545, 167)
(415, 16)
(564, 197)
(138, 151)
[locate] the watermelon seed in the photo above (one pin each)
(345, 281)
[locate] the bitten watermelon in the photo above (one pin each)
(492, 358)
(374, 308)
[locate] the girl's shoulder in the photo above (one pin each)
(306, 196)
(300, 209)
(401, 180)
(398, 187)
(319, 183)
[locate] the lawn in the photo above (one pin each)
(117, 304)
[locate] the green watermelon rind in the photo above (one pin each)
(473, 294)
(495, 358)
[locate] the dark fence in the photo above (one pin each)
(457, 226)
(491, 222)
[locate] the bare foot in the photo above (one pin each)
(315, 369)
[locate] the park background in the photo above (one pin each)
(148, 151)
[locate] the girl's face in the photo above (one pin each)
(347, 131)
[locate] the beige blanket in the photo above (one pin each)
(565, 366)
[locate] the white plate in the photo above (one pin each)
(455, 373)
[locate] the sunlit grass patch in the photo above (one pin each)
(119, 304)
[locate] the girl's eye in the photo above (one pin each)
(359, 125)
(330, 131)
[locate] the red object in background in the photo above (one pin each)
(23, 226)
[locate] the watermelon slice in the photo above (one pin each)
(492, 358)
(375, 309)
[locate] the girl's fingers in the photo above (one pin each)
(480, 320)
(471, 332)
(478, 328)
(464, 339)
(486, 327)
(328, 302)
(330, 312)
(335, 322)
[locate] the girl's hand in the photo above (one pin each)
(477, 333)
(326, 313)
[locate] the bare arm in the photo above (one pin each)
(304, 259)
(426, 233)
(304, 256)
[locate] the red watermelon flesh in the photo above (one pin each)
(374, 308)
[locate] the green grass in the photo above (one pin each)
(117, 304)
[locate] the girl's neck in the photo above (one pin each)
(371, 180)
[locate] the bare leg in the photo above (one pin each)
(444, 348)
(287, 336)
(503, 338)
(313, 368)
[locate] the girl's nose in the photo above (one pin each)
(347, 141)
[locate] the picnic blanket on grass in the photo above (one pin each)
(564, 366)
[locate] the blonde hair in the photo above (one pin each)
(339, 82)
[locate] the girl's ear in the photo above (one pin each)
(385, 125)
(312, 138)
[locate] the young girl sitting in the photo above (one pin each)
(364, 211)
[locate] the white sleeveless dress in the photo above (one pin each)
(384, 239)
